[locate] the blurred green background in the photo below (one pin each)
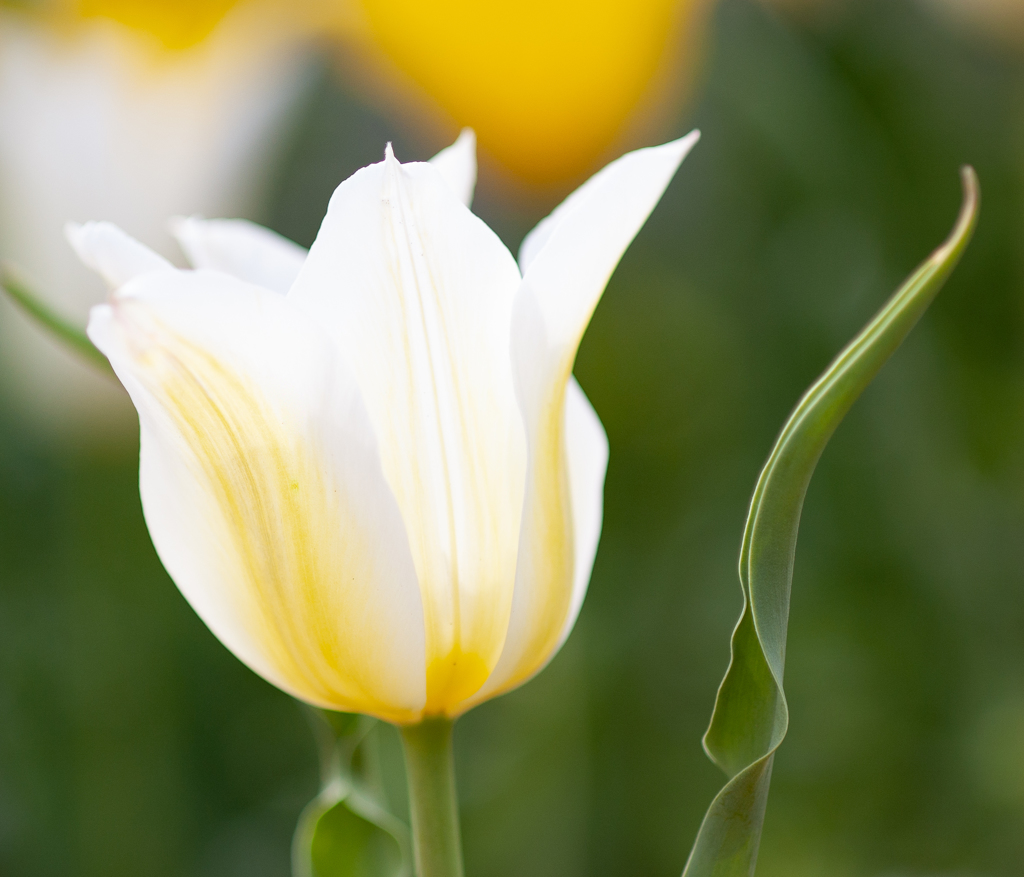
(132, 742)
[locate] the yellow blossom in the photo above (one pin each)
(548, 87)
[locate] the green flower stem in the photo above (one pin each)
(430, 767)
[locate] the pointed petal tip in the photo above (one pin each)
(78, 234)
(184, 229)
(73, 235)
(457, 164)
(465, 144)
(179, 225)
(676, 150)
(683, 145)
(112, 253)
(75, 232)
(389, 153)
(82, 234)
(658, 164)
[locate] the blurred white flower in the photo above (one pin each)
(100, 119)
(369, 468)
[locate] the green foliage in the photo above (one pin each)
(347, 830)
(751, 716)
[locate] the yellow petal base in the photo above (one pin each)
(452, 679)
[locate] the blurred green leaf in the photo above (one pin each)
(30, 302)
(751, 717)
(347, 830)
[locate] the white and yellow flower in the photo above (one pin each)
(368, 468)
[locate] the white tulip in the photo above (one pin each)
(369, 468)
(99, 120)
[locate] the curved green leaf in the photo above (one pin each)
(751, 716)
(33, 305)
(347, 830)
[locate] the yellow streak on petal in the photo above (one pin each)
(446, 457)
(552, 536)
(297, 561)
(550, 561)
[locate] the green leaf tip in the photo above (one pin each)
(33, 305)
(750, 717)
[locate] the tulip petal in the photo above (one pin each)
(263, 491)
(586, 456)
(115, 256)
(457, 164)
(242, 249)
(567, 264)
(569, 257)
(418, 294)
(586, 446)
(260, 256)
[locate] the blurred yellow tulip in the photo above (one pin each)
(548, 86)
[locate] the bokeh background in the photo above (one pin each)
(132, 742)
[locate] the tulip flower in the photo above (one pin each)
(368, 468)
(134, 111)
(549, 87)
